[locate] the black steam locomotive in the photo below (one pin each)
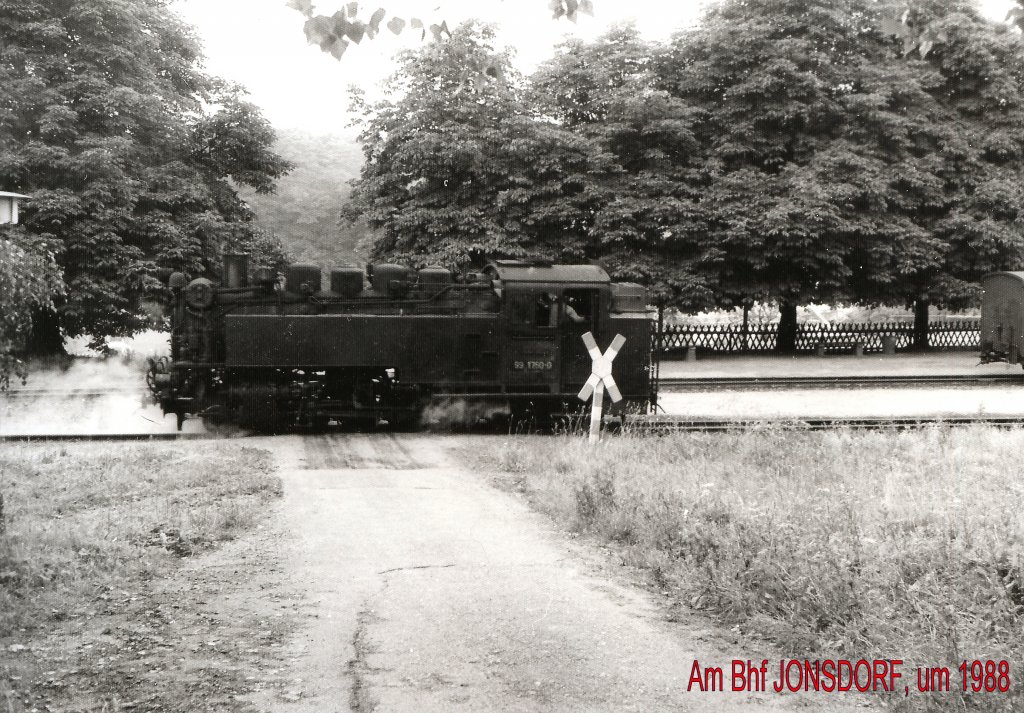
(273, 350)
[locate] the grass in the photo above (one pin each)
(80, 520)
(831, 544)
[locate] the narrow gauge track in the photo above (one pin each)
(834, 382)
(69, 393)
(40, 437)
(669, 424)
(643, 425)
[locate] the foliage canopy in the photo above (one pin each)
(103, 123)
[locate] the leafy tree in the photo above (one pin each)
(102, 123)
(834, 168)
(29, 280)
(980, 95)
(457, 167)
(609, 92)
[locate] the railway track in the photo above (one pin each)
(69, 393)
(643, 425)
(835, 382)
(41, 437)
(669, 384)
(669, 424)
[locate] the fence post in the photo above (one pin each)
(746, 326)
(920, 339)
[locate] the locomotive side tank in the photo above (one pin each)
(1002, 317)
(279, 351)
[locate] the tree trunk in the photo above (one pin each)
(920, 342)
(786, 342)
(46, 338)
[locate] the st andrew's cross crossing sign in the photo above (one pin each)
(600, 378)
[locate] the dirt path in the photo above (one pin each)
(426, 589)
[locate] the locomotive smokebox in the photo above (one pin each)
(236, 270)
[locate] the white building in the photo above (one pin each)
(9, 207)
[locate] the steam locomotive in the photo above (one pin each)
(271, 351)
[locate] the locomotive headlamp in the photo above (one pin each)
(199, 293)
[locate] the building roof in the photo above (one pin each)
(6, 194)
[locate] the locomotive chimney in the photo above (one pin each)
(236, 270)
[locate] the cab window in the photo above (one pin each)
(580, 306)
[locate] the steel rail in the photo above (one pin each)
(834, 382)
(44, 437)
(668, 424)
(68, 393)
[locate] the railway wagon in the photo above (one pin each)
(272, 351)
(1002, 317)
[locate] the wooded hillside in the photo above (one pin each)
(304, 213)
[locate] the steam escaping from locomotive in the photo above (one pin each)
(272, 351)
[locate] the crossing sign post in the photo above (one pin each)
(600, 378)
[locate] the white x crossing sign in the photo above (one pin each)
(600, 378)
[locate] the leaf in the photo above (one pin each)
(416, 23)
(319, 31)
(353, 9)
(587, 7)
(1016, 17)
(396, 25)
(338, 47)
(557, 9)
(355, 31)
(303, 6)
(375, 19)
(925, 47)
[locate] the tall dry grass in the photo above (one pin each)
(81, 520)
(861, 544)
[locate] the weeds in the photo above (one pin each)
(83, 519)
(889, 545)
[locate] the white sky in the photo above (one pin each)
(260, 44)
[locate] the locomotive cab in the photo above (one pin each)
(548, 308)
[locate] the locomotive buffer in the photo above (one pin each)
(599, 379)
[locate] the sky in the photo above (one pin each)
(260, 44)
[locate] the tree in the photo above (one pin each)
(980, 95)
(29, 280)
(609, 92)
(830, 161)
(458, 168)
(103, 125)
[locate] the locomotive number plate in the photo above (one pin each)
(529, 365)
